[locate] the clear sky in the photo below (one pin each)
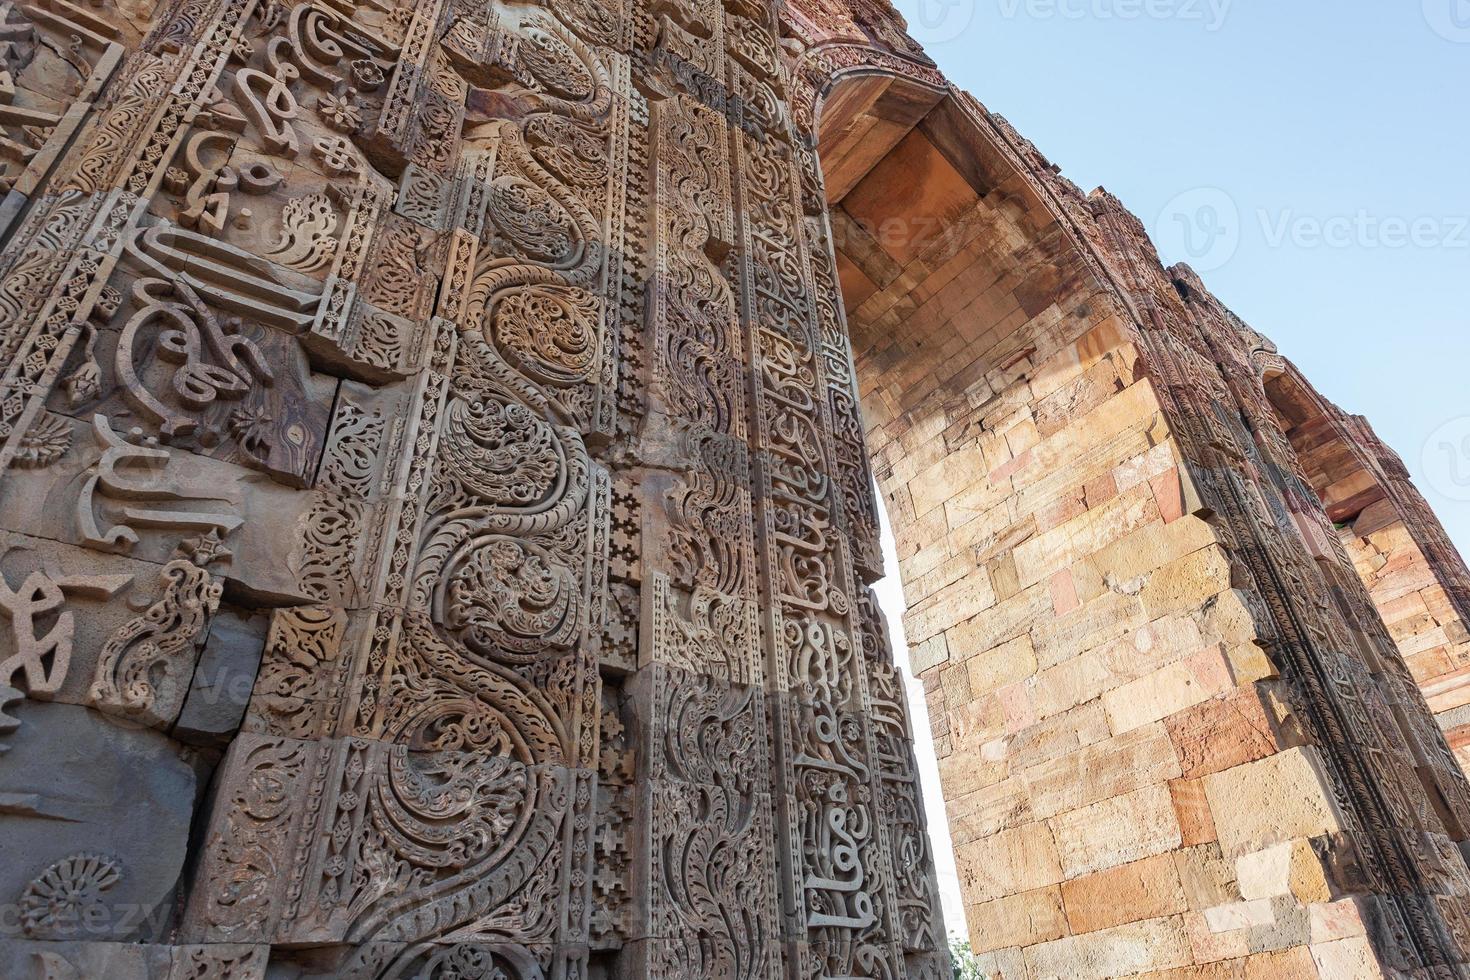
(1310, 157)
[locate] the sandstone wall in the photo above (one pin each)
(1176, 737)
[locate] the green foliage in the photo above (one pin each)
(965, 965)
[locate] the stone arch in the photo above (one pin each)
(1162, 701)
(1416, 578)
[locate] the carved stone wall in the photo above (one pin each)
(437, 522)
(438, 532)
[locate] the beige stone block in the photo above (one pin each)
(1136, 406)
(955, 681)
(1308, 875)
(1347, 959)
(1168, 690)
(950, 606)
(1231, 619)
(928, 654)
(1240, 915)
(1117, 766)
(1286, 964)
(1038, 558)
(1144, 889)
(1003, 578)
(1105, 619)
(967, 771)
(1265, 873)
(987, 811)
(1207, 946)
(1012, 861)
(1150, 945)
(1331, 921)
(1059, 735)
(1151, 547)
(1185, 583)
(1003, 964)
(1206, 971)
(1083, 677)
(946, 478)
(1009, 619)
(1009, 663)
(1116, 830)
(1278, 798)
(1145, 466)
(1017, 920)
(1207, 877)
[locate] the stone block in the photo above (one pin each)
(1009, 663)
(987, 811)
(1220, 734)
(114, 493)
(1153, 944)
(1017, 920)
(1207, 877)
(1347, 959)
(1185, 583)
(1114, 767)
(1192, 807)
(1330, 921)
(1012, 861)
(98, 810)
(1146, 889)
(1286, 964)
(1169, 690)
(81, 960)
(1116, 830)
(1266, 873)
(224, 678)
(1271, 800)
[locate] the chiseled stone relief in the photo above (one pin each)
(436, 514)
(437, 529)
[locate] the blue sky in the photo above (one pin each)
(1310, 158)
(1321, 150)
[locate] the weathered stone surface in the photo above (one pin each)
(97, 811)
(1145, 889)
(222, 682)
(477, 406)
(1275, 799)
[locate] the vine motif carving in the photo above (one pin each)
(145, 667)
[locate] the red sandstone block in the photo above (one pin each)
(1168, 495)
(1145, 889)
(1221, 734)
(1196, 825)
(1063, 592)
(1100, 490)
